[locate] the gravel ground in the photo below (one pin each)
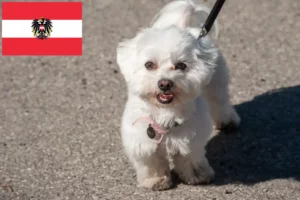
(60, 116)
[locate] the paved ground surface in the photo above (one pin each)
(59, 116)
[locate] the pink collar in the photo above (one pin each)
(161, 131)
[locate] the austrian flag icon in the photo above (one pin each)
(42, 28)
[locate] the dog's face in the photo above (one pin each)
(165, 66)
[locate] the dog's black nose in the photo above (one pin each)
(165, 84)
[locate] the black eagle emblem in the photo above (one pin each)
(41, 28)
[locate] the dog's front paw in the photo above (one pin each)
(157, 183)
(163, 184)
(199, 176)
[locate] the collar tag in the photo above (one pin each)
(151, 132)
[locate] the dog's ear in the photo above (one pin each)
(126, 57)
(176, 13)
(180, 13)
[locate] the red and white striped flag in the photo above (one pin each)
(42, 28)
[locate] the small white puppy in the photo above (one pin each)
(176, 83)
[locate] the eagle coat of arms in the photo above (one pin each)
(41, 28)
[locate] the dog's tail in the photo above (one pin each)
(179, 13)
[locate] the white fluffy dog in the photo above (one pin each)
(177, 85)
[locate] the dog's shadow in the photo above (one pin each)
(267, 144)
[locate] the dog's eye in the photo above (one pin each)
(180, 66)
(149, 65)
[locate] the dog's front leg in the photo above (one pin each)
(153, 172)
(193, 169)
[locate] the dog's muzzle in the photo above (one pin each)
(165, 86)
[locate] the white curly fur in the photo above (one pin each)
(201, 93)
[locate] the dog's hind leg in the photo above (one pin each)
(217, 96)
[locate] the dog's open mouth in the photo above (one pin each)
(165, 97)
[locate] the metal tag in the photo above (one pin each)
(150, 132)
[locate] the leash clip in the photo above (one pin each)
(203, 32)
(211, 18)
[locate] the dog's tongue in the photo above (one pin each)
(166, 96)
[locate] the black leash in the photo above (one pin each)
(211, 18)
